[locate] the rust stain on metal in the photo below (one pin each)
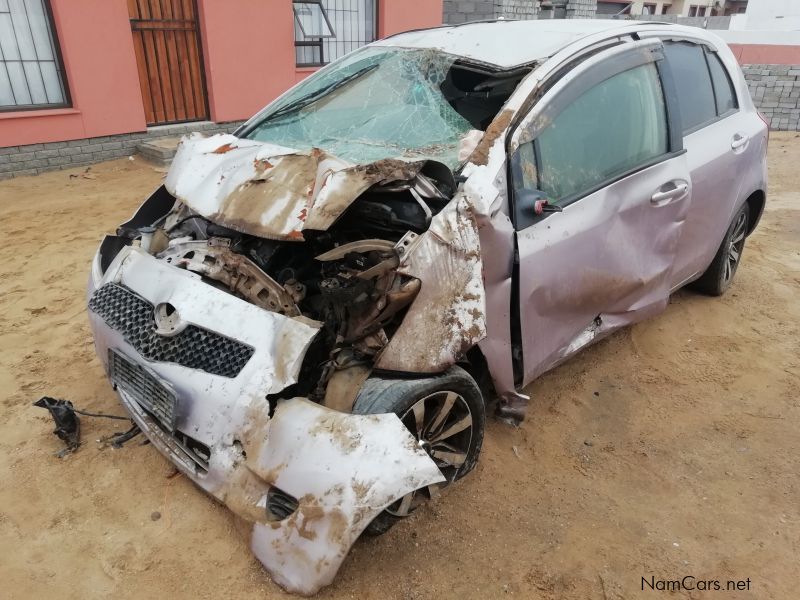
(261, 165)
(224, 149)
(480, 156)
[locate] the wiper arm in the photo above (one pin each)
(309, 99)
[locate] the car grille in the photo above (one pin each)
(143, 387)
(154, 404)
(194, 347)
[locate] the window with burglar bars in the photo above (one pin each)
(31, 75)
(324, 30)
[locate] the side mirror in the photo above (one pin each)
(538, 201)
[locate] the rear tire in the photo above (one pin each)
(447, 415)
(719, 275)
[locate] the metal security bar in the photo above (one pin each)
(354, 24)
(31, 72)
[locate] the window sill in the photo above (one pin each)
(45, 112)
(308, 68)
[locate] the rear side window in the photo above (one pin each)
(614, 127)
(693, 83)
(723, 88)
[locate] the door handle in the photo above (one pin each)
(739, 141)
(676, 192)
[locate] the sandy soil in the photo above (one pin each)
(670, 449)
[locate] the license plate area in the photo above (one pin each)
(152, 394)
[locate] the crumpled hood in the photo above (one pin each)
(270, 191)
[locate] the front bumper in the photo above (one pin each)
(342, 469)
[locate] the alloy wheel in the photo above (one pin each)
(442, 424)
(735, 247)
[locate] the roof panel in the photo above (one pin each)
(506, 43)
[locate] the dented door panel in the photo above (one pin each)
(603, 263)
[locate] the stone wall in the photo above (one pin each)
(463, 11)
(776, 92)
(38, 158)
(516, 9)
(581, 9)
(702, 22)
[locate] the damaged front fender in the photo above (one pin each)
(343, 470)
(448, 316)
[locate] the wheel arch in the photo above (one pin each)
(755, 204)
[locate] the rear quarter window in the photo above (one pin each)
(723, 88)
(693, 84)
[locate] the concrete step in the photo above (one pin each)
(159, 151)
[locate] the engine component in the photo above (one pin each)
(239, 273)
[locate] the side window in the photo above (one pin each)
(723, 88)
(693, 83)
(613, 127)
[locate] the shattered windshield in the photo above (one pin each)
(376, 103)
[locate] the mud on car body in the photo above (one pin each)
(309, 316)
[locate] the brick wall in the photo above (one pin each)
(516, 9)
(776, 92)
(462, 11)
(38, 158)
(581, 9)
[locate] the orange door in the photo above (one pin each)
(167, 45)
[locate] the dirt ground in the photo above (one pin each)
(670, 449)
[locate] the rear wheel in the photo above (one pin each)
(719, 275)
(445, 413)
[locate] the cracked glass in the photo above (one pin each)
(375, 103)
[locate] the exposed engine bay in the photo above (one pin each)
(346, 278)
(275, 283)
(332, 253)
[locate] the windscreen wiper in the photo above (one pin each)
(309, 99)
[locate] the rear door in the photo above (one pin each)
(599, 146)
(717, 135)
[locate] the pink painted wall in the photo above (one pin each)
(766, 54)
(97, 49)
(395, 16)
(248, 50)
(248, 46)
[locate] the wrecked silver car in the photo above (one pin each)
(309, 317)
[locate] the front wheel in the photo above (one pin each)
(719, 275)
(445, 413)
